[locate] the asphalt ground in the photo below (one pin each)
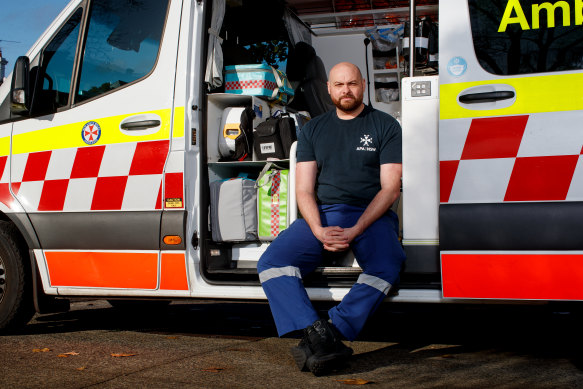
(210, 344)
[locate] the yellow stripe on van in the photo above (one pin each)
(533, 94)
(178, 129)
(69, 135)
(4, 146)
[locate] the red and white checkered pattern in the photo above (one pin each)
(535, 157)
(250, 84)
(275, 183)
(124, 176)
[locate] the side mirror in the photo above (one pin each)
(20, 90)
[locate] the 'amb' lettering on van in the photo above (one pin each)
(513, 7)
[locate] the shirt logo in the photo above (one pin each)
(366, 141)
(91, 133)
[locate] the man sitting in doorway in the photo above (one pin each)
(348, 176)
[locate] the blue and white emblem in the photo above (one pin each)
(457, 66)
(91, 133)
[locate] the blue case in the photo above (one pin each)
(258, 80)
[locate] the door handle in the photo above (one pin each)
(140, 125)
(486, 97)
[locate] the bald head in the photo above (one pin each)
(346, 88)
(344, 67)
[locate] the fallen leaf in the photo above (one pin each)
(65, 355)
(119, 355)
(355, 381)
(213, 369)
(172, 337)
(41, 350)
(81, 368)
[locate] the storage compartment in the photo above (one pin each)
(234, 259)
(257, 32)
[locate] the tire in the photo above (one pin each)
(16, 303)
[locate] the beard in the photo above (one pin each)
(347, 105)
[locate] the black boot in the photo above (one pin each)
(321, 349)
(301, 353)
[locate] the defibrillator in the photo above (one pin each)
(235, 135)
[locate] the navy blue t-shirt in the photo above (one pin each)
(349, 154)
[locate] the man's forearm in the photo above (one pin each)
(332, 237)
(379, 205)
(309, 210)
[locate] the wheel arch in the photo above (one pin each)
(22, 223)
(43, 303)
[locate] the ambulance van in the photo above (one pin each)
(110, 125)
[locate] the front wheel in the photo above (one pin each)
(16, 304)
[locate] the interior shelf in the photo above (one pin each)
(386, 71)
(334, 23)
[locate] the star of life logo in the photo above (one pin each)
(366, 141)
(91, 133)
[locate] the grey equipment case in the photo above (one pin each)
(233, 210)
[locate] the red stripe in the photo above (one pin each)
(149, 157)
(174, 186)
(36, 166)
(159, 198)
(5, 195)
(447, 172)
(513, 276)
(108, 194)
(53, 195)
(3, 164)
(541, 178)
(87, 162)
(497, 137)
(275, 181)
(250, 84)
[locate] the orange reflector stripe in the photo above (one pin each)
(103, 269)
(546, 276)
(172, 239)
(174, 272)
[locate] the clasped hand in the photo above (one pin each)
(336, 238)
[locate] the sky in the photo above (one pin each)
(23, 21)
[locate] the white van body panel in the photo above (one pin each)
(436, 129)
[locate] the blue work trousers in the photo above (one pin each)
(296, 252)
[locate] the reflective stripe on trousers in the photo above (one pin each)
(296, 252)
(275, 272)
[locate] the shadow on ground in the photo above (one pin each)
(416, 332)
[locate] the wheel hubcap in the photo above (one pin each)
(2, 280)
